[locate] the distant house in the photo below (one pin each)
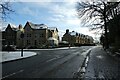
(37, 35)
(53, 36)
(52, 42)
(76, 38)
(9, 35)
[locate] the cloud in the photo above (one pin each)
(27, 11)
(57, 11)
(70, 1)
(64, 12)
(73, 21)
(44, 1)
(61, 14)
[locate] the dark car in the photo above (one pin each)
(8, 48)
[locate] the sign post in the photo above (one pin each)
(22, 36)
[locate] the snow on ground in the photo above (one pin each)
(7, 56)
(51, 48)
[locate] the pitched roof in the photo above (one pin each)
(13, 27)
(37, 26)
(73, 33)
(53, 28)
(41, 26)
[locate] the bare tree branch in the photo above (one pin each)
(5, 9)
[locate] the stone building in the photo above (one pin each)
(9, 35)
(37, 35)
(19, 41)
(76, 38)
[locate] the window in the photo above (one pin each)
(41, 35)
(28, 42)
(35, 42)
(28, 35)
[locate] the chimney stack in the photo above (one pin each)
(67, 31)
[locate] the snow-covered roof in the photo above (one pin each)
(11, 25)
(38, 26)
(41, 26)
(53, 28)
(3, 28)
(73, 33)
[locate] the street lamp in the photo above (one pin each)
(22, 36)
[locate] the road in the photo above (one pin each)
(61, 63)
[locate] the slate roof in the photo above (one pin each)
(13, 27)
(38, 26)
(41, 26)
(73, 33)
(53, 28)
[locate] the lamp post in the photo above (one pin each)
(22, 36)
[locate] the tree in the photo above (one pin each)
(5, 9)
(114, 25)
(99, 12)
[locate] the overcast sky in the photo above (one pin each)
(54, 13)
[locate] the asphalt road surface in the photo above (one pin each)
(61, 63)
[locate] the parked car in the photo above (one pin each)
(8, 48)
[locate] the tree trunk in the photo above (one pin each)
(117, 42)
(105, 28)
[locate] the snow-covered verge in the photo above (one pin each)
(8, 56)
(50, 49)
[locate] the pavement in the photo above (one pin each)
(15, 55)
(62, 48)
(114, 54)
(102, 65)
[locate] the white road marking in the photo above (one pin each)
(51, 59)
(12, 74)
(76, 53)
